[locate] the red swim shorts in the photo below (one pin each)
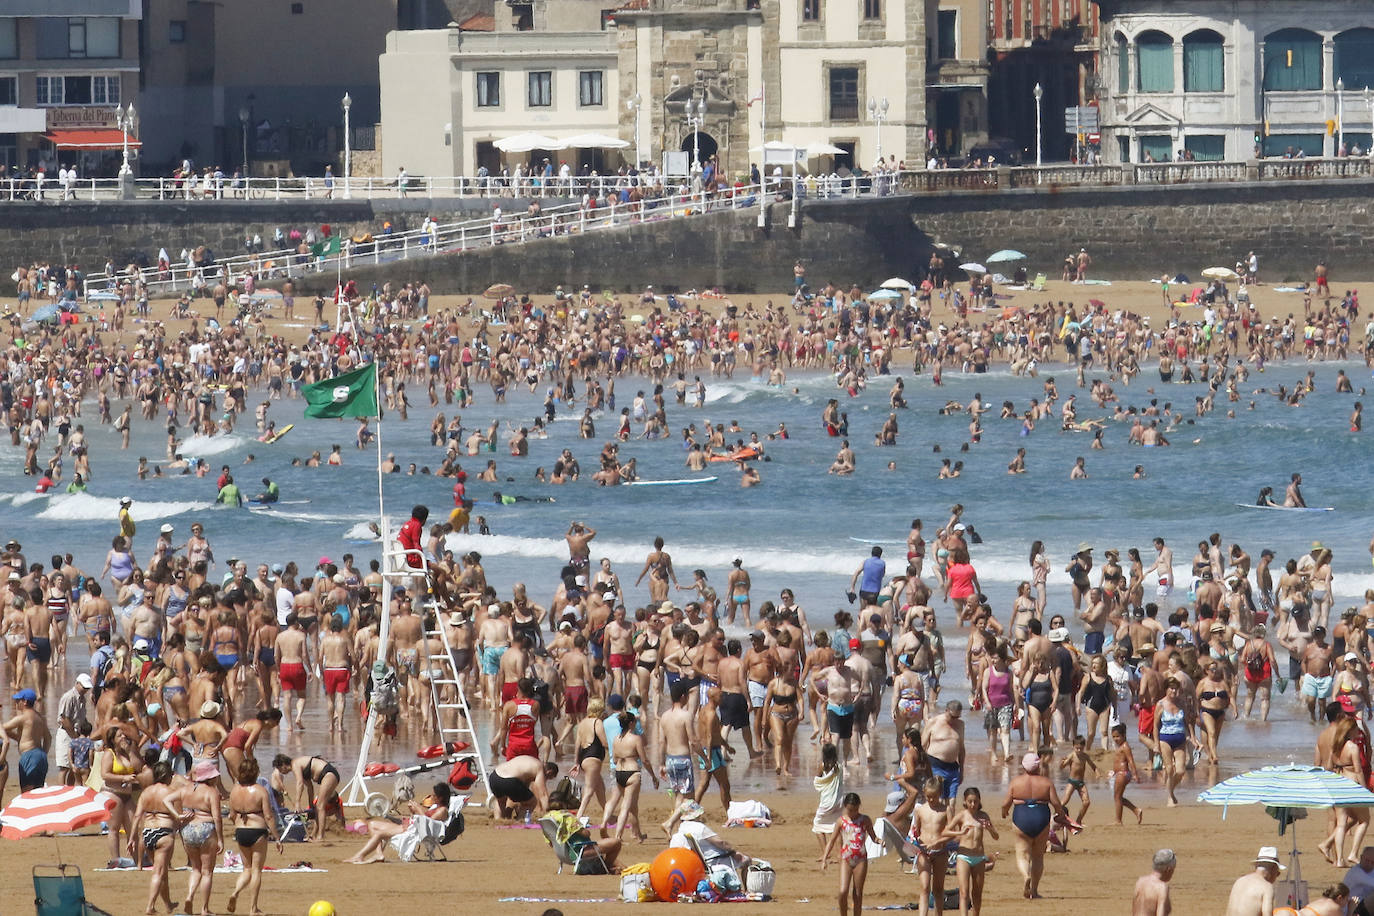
(292, 676)
(336, 680)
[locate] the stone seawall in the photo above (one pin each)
(1132, 232)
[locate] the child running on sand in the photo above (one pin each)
(852, 829)
(967, 828)
(929, 821)
(1123, 773)
(1077, 763)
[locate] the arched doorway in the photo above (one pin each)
(706, 145)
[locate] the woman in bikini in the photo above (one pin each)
(242, 739)
(818, 659)
(647, 640)
(781, 715)
(630, 767)
(852, 831)
(153, 832)
(589, 737)
(908, 698)
(971, 859)
(119, 767)
(224, 643)
(254, 822)
(1023, 611)
(16, 629)
(317, 784)
(1213, 699)
(1040, 574)
(202, 829)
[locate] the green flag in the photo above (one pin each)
(353, 394)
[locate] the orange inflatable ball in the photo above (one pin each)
(674, 872)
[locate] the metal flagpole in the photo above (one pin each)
(763, 155)
(357, 789)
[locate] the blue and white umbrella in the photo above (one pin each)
(884, 294)
(1290, 785)
(1006, 254)
(1286, 786)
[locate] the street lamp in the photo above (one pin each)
(124, 118)
(243, 125)
(1369, 101)
(1340, 115)
(634, 104)
(1039, 94)
(348, 146)
(696, 114)
(877, 112)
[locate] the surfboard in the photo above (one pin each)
(281, 502)
(669, 483)
(279, 433)
(1288, 508)
(875, 540)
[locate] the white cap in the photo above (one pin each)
(84, 680)
(126, 500)
(167, 528)
(1059, 634)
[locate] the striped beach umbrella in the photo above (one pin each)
(1289, 786)
(54, 809)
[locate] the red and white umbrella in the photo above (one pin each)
(54, 809)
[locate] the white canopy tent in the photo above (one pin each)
(593, 141)
(524, 143)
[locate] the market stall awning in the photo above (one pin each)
(93, 138)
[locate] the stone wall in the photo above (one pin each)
(1132, 232)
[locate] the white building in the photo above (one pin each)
(1233, 79)
(718, 77)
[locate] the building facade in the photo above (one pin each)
(263, 77)
(65, 67)
(706, 77)
(1235, 79)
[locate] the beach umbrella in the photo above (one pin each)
(1006, 254)
(1097, 303)
(881, 294)
(54, 809)
(526, 142)
(1220, 273)
(973, 267)
(817, 150)
(498, 291)
(593, 141)
(46, 313)
(1288, 786)
(104, 295)
(897, 283)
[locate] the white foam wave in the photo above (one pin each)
(316, 516)
(360, 532)
(685, 556)
(23, 499)
(77, 507)
(199, 446)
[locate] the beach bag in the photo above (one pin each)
(760, 879)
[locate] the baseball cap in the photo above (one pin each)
(278, 568)
(854, 643)
(565, 625)
(126, 500)
(140, 643)
(27, 695)
(84, 680)
(324, 561)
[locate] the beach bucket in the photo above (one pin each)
(760, 880)
(636, 889)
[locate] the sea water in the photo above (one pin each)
(802, 528)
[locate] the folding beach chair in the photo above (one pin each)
(59, 891)
(1039, 283)
(583, 855)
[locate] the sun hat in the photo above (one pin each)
(1031, 762)
(209, 709)
(204, 771)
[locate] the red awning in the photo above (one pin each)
(95, 138)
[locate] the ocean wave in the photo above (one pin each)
(199, 446)
(23, 499)
(80, 507)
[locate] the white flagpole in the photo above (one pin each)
(358, 790)
(763, 155)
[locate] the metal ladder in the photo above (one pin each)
(464, 732)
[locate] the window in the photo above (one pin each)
(844, 94)
(590, 88)
(9, 90)
(1284, 144)
(9, 38)
(1154, 53)
(540, 93)
(1203, 62)
(78, 90)
(1206, 148)
(50, 36)
(93, 37)
(1156, 148)
(1292, 60)
(873, 9)
(947, 41)
(1123, 70)
(1354, 58)
(488, 90)
(176, 31)
(811, 10)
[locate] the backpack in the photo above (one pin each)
(1255, 664)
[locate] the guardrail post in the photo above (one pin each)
(278, 181)
(1128, 173)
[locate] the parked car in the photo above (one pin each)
(1002, 151)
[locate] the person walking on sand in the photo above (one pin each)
(1151, 897)
(851, 831)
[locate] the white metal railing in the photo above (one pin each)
(508, 228)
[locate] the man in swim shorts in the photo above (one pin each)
(28, 729)
(1316, 672)
(943, 742)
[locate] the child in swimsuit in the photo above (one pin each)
(972, 862)
(1123, 773)
(1077, 763)
(851, 831)
(928, 823)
